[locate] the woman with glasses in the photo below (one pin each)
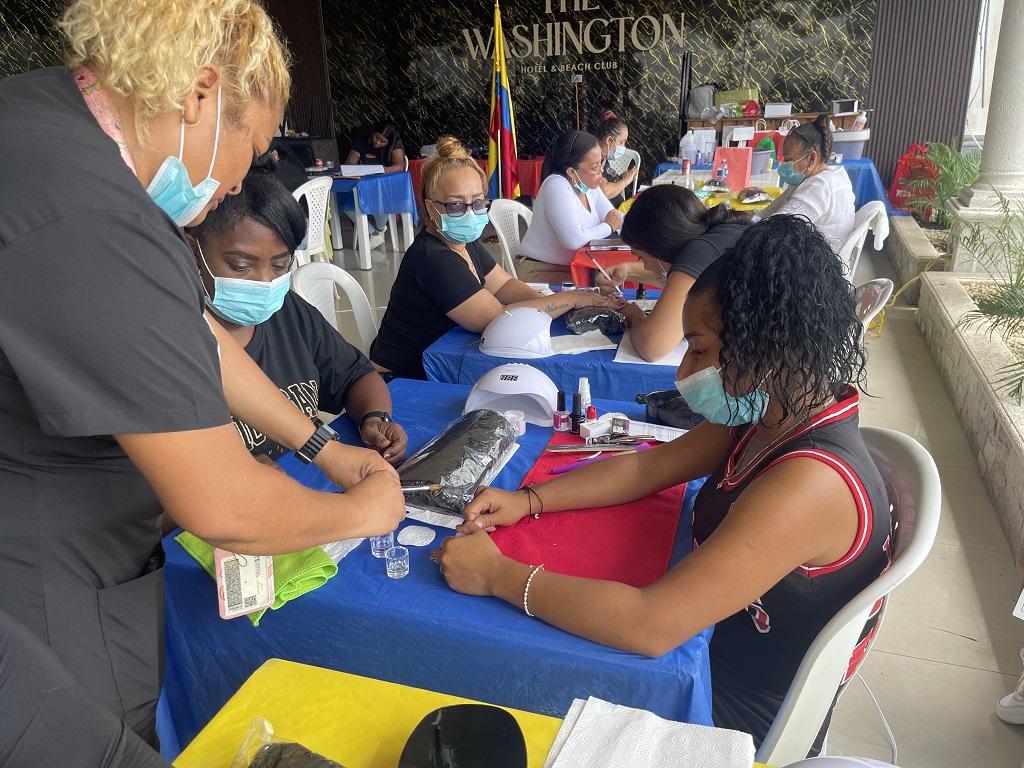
(569, 211)
(251, 238)
(447, 278)
(823, 195)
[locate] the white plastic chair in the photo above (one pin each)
(871, 217)
(504, 216)
(621, 164)
(316, 193)
(393, 220)
(316, 282)
(871, 297)
(915, 495)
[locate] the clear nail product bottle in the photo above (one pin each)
(561, 416)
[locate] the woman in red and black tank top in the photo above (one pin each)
(794, 520)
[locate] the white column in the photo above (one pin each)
(1002, 159)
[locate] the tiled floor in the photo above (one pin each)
(949, 647)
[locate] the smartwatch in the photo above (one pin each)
(323, 435)
(382, 415)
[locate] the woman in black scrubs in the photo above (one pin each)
(116, 394)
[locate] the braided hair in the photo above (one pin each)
(786, 312)
(816, 135)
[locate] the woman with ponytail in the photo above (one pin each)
(677, 238)
(821, 194)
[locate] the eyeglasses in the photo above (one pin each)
(595, 168)
(458, 208)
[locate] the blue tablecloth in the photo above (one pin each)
(456, 358)
(416, 631)
(867, 184)
(379, 195)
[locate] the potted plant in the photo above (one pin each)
(928, 195)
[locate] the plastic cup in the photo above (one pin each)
(379, 545)
(397, 561)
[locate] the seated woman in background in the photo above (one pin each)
(824, 195)
(611, 135)
(569, 210)
(677, 238)
(382, 147)
(794, 519)
(447, 278)
(244, 252)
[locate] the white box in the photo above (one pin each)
(845, 107)
(778, 109)
(738, 133)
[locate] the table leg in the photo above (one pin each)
(407, 230)
(362, 234)
(336, 242)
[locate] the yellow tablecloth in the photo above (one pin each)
(359, 722)
(711, 202)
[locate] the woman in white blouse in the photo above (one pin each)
(821, 194)
(569, 210)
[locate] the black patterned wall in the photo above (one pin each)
(411, 61)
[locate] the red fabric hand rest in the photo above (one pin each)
(630, 543)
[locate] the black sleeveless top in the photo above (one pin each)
(755, 652)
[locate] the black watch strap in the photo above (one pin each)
(323, 435)
(382, 415)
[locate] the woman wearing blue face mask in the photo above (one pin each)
(612, 134)
(244, 253)
(447, 278)
(569, 211)
(794, 519)
(822, 194)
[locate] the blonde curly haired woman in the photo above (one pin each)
(114, 392)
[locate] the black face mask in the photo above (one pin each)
(466, 736)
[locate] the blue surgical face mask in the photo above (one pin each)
(579, 185)
(788, 175)
(246, 302)
(465, 228)
(616, 153)
(172, 189)
(705, 393)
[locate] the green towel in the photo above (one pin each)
(294, 575)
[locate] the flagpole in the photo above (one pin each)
(497, 100)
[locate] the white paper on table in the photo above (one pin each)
(360, 170)
(615, 736)
(661, 433)
(647, 305)
(571, 344)
(568, 722)
(450, 521)
(627, 354)
(542, 288)
(338, 550)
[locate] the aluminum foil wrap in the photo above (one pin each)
(461, 458)
(603, 319)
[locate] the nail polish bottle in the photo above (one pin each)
(560, 418)
(591, 413)
(577, 413)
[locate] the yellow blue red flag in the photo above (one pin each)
(502, 164)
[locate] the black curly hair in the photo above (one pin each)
(786, 312)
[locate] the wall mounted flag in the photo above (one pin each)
(502, 163)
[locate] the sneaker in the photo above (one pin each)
(1010, 708)
(376, 239)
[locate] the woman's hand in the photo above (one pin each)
(630, 174)
(470, 562)
(491, 507)
(614, 220)
(619, 274)
(595, 299)
(633, 314)
(386, 438)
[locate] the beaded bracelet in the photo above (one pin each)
(528, 490)
(526, 592)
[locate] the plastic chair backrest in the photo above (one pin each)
(315, 283)
(915, 494)
(504, 216)
(621, 164)
(316, 193)
(871, 217)
(871, 298)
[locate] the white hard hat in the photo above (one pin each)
(521, 332)
(839, 761)
(515, 386)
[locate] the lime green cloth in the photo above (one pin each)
(294, 575)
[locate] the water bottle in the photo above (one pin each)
(723, 171)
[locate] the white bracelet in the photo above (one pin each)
(526, 592)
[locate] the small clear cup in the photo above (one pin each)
(379, 545)
(397, 561)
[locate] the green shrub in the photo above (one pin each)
(956, 170)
